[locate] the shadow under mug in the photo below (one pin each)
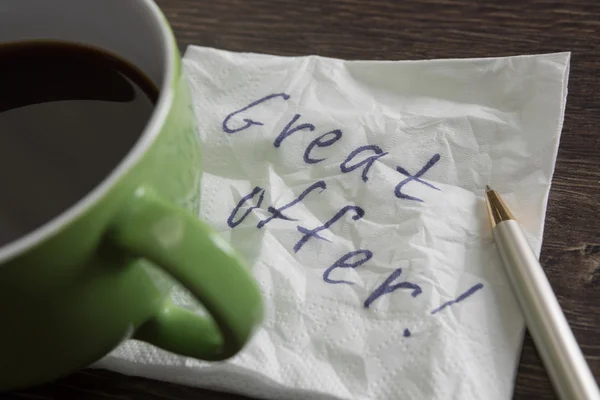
(95, 275)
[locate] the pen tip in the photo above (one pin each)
(487, 188)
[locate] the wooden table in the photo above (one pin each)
(417, 29)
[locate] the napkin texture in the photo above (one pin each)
(355, 191)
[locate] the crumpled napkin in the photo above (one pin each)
(355, 191)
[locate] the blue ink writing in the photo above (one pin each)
(459, 298)
(416, 178)
(387, 287)
(406, 333)
(288, 130)
(359, 213)
(278, 212)
(337, 135)
(231, 220)
(368, 161)
(248, 121)
(343, 263)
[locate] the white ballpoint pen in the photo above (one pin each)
(558, 349)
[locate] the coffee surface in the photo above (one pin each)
(68, 115)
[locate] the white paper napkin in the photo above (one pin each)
(355, 191)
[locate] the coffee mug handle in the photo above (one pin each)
(204, 263)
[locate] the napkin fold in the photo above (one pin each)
(355, 191)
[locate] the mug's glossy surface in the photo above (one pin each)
(102, 272)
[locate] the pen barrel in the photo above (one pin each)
(558, 349)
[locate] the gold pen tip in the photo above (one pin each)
(497, 210)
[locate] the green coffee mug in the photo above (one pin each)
(101, 272)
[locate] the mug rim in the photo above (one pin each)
(147, 137)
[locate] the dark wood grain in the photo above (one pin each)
(417, 29)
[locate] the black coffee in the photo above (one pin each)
(68, 115)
